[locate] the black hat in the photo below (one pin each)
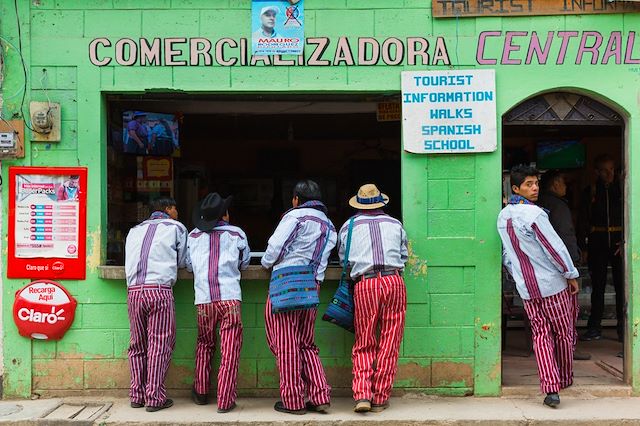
(209, 211)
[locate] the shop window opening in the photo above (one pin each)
(252, 147)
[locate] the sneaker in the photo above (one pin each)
(362, 406)
(226, 410)
(376, 408)
(279, 406)
(320, 408)
(136, 404)
(199, 398)
(552, 400)
(591, 334)
(168, 403)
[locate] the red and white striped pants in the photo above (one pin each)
(152, 317)
(227, 314)
(291, 338)
(553, 328)
(379, 302)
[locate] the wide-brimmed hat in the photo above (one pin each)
(209, 211)
(369, 197)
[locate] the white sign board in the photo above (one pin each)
(447, 112)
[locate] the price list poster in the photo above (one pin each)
(47, 222)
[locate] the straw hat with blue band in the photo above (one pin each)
(369, 197)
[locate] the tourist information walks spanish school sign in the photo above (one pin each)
(465, 8)
(449, 111)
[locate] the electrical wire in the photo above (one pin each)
(24, 70)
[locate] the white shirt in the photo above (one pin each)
(534, 254)
(299, 238)
(378, 243)
(216, 259)
(154, 250)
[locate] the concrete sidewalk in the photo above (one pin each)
(407, 410)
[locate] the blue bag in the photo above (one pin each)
(340, 310)
(295, 287)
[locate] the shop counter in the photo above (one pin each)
(253, 272)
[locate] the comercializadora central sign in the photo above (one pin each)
(507, 47)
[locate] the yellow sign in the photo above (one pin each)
(389, 111)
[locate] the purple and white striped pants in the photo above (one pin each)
(152, 318)
(290, 336)
(227, 313)
(553, 326)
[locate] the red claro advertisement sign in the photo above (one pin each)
(43, 310)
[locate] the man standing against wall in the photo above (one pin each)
(377, 256)
(154, 251)
(297, 241)
(601, 224)
(545, 277)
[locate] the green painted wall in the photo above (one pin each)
(450, 203)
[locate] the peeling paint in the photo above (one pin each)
(415, 265)
(93, 250)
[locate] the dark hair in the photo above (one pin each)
(161, 204)
(74, 177)
(601, 159)
(549, 178)
(520, 172)
(307, 190)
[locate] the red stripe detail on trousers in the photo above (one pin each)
(290, 336)
(226, 313)
(152, 319)
(379, 303)
(553, 328)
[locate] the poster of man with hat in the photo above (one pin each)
(277, 27)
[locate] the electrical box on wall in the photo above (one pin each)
(45, 121)
(11, 139)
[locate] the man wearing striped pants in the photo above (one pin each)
(154, 251)
(377, 256)
(299, 239)
(217, 251)
(545, 277)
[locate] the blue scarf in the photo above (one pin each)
(519, 199)
(159, 215)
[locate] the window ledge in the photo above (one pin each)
(253, 272)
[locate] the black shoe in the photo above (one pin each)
(552, 400)
(168, 403)
(376, 408)
(226, 410)
(136, 405)
(279, 406)
(320, 408)
(199, 398)
(591, 334)
(581, 356)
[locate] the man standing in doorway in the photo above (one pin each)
(545, 277)
(377, 255)
(601, 224)
(299, 238)
(154, 251)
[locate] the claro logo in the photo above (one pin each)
(31, 315)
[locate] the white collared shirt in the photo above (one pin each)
(378, 243)
(154, 250)
(216, 259)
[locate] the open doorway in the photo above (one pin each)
(571, 135)
(252, 147)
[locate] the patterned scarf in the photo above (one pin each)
(159, 215)
(519, 199)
